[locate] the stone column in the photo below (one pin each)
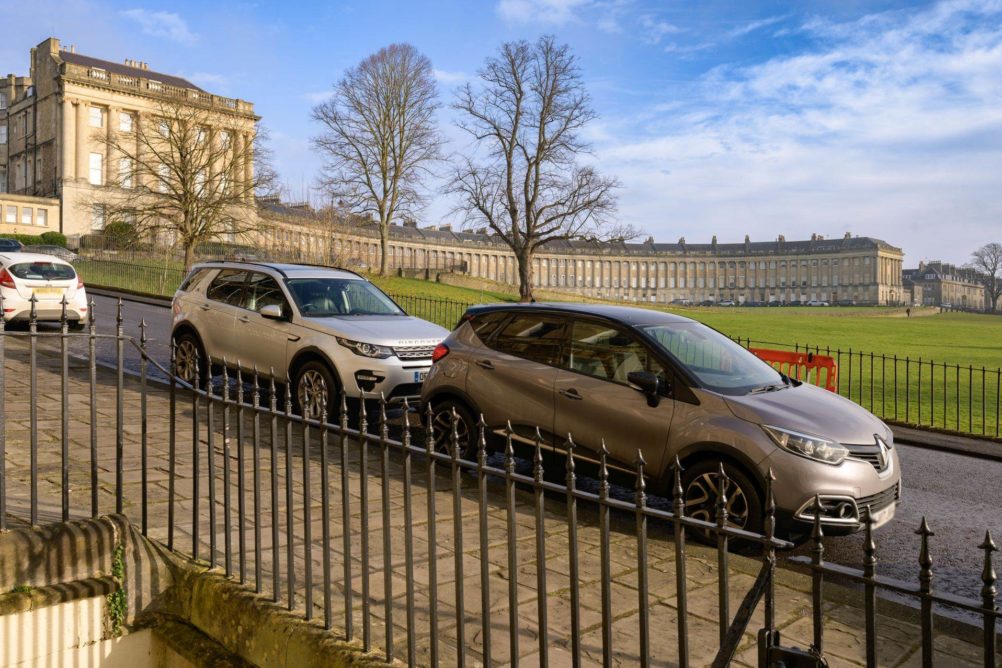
(81, 141)
(110, 155)
(68, 138)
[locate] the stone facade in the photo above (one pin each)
(21, 214)
(949, 286)
(50, 122)
(859, 270)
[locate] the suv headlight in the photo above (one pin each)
(366, 349)
(805, 445)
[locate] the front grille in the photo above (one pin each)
(414, 352)
(880, 500)
(869, 454)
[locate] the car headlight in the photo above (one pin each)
(805, 445)
(366, 349)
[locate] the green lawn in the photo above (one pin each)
(946, 373)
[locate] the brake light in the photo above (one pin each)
(441, 350)
(6, 280)
(79, 282)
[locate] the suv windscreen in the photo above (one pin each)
(534, 336)
(720, 364)
(42, 271)
(326, 297)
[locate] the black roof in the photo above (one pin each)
(629, 315)
(126, 70)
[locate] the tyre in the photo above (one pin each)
(189, 359)
(465, 427)
(316, 387)
(700, 485)
(77, 325)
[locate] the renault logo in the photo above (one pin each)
(882, 453)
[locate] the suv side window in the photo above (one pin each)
(601, 350)
(194, 279)
(534, 336)
(263, 290)
(485, 324)
(227, 287)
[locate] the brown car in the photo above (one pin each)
(668, 386)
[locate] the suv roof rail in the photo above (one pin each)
(274, 266)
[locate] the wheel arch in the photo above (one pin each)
(313, 354)
(696, 453)
(454, 394)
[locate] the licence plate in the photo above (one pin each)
(420, 376)
(882, 517)
(48, 293)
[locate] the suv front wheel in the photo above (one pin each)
(316, 387)
(465, 426)
(701, 489)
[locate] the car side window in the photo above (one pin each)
(228, 287)
(603, 351)
(194, 279)
(263, 290)
(537, 337)
(485, 324)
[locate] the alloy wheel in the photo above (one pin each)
(186, 360)
(701, 500)
(442, 431)
(313, 394)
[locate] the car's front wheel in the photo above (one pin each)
(701, 485)
(316, 388)
(189, 359)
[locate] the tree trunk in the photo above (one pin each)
(524, 259)
(189, 257)
(384, 242)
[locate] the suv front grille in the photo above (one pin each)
(869, 454)
(880, 500)
(414, 352)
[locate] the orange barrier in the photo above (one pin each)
(807, 367)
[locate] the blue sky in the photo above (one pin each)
(877, 118)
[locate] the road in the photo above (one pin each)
(959, 495)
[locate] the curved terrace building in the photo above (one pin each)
(860, 270)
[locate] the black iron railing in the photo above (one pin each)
(242, 425)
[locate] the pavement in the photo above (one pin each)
(233, 455)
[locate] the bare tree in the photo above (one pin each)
(181, 177)
(379, 137)
(987, 261)
(524, 181)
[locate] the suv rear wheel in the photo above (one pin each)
(189, 358)
(701, 489)
(466, 428)
(316, 387)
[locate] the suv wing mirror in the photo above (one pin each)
(272, 311)
(648, 383)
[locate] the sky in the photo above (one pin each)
(880, 118)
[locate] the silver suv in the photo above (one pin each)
(667, 386)
(325, 329)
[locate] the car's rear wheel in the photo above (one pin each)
(316, 388)
(701, 485)
(465, 427)
(189, 359)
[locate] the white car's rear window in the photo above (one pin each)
(42, 271)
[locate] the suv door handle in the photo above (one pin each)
(485, 364)
(204, 307)
(243, 318)
(571, 394)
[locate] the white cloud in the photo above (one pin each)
(162, 24)
(752, 26)
(450, 78)
(654, 30)
(316, 97)
(556, 12)
(892, 129)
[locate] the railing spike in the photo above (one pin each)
(722, 483)
(481, 441)
(509, 450)
(537, 458)
(641, 485)
(603, 472)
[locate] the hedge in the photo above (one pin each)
(50, 238)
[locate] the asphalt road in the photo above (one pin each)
(959, 495)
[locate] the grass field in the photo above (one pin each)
(941, 370)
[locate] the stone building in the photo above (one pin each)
(51, 119)
(858, 270)
(23, 214)
(949, 286)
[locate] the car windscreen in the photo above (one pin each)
(717, 362)
(326, 297)
(42, 271)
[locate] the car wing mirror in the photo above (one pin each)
(272, 312)
(646, 382)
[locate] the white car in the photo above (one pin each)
(49, 279)
(817, 302)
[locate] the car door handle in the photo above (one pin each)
(485, 364)
(204, 307)
(243, 318)
(571, 394)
